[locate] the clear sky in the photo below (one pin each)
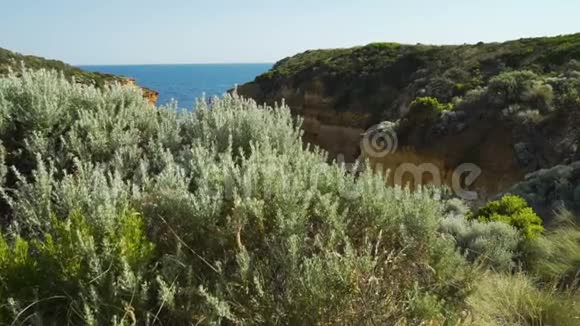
(181, 31)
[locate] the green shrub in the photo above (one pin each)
(426, 109)
(430, 104)
(512, 210)
(520, 87)
(215, 216)
(552, 189)
(441, 88)
(567, 90)
(474, 96)
(539, 96)
(75, 272)
(493, 244)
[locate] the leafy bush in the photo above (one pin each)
(75, 270)
(429, 104)
(539, 96)
(215, 216)
(426, 109)
(567, 89)
(474, 96)
(512, 210)
(493, 244)
(525, 87)
(552, 189)
(441, 88)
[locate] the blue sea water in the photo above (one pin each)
(186, 82)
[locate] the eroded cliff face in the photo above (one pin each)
(341, 94)
(339, 133)
(448, 160)
(487, 144)
(150, 95)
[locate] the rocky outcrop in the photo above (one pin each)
(149, 94)
(509, 108)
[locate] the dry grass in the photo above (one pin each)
(502, 299)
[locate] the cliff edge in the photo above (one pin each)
(510, 108)
(10, 60)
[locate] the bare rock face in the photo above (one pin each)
(149, 94)
(509, 109)
(490, 145)
(418, 160)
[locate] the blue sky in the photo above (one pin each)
(180, 31)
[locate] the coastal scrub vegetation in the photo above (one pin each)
(427, 109)
(525, 80)
(512, 210)
(115, 212)
(14, 61)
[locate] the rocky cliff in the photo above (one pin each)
(13, 61)
(148, 93)
(510, 108)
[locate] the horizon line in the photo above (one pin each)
(174, 64)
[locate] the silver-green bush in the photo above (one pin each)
(218, 216)
(493, 244)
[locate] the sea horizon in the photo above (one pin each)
(173, 64)
(186, 82)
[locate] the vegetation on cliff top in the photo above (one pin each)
(10, 60)
(117, 214)
(380, 78)
(449, 103)
(536, 54)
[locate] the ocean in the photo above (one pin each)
(186, 82)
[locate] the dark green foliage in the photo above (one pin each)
(549, 53)
(524, 79)
(512, 210)
(524, 87)
(554, 189)
(367, 58)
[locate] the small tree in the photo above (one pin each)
(513, 210)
